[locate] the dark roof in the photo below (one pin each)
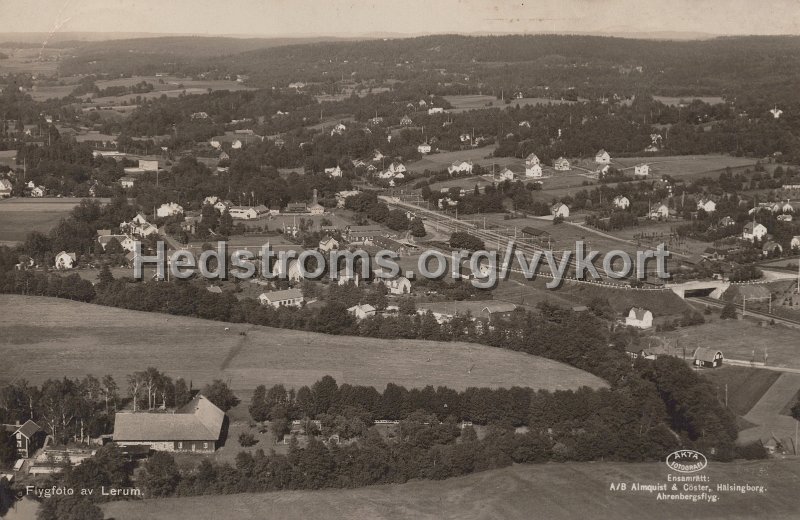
(705, 354)
(528, 230)
(29, 429)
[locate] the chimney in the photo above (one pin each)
(315, 196)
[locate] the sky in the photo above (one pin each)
(352, 18)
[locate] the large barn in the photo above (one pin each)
(197, 426)
(707, 358)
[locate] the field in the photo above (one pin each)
(552, 491)
(681, 166)
(745, 385)
(18, 217)
(50, 338)
(440, 161)
(674, 101)
(739, 339)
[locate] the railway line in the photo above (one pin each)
(750, 312)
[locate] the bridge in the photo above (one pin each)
(711, 288)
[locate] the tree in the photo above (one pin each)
(463, 240)
(105, 278)
(258, 406)
(728, 311)
(221, 395)
(397, 220)
(182, 393)
(161, 475)
(8, 448)
(417, 228)
(69, 508)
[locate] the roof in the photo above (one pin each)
(528, 230)
(29, 429)
(498, 307)
(771, 246)
(288, 294)
(705, 354)
(639, 312)
(198, 420)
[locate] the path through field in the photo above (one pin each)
(767, 413)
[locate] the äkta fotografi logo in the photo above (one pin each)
(686, 461)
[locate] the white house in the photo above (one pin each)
(435, 110)
(399, 285)
(333, 172)
(242, 212)
(533, 171)
(602, 157)
(287, 298)
(5, 188)
(397, 167)
(795, 243)
(531, 160)
(362, 311)
(661, 212)
(328, 244)
(127, 182)
(424, 148)
(707, 205)
(753, 231)
(38, 191)
(622, 202)
(170, 209)
(292, 273)
(641, 170)
(316, 209)
(405, 121)
(460, 167)
(65, 260)
(639, 318)
(506, 175)
(560, 209)
(561, 165)
(338, 129)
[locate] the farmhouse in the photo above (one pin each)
(561, 165)
(641, 170)
(753, 231)
(531, 160)
(560, 209)
(65, 260)
(602, 157)
(28, 437)
(169, 209)
(286, 298)
(622, 202)
(707, 358)
(639, 318)
(197, 427)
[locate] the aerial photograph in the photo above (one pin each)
(389, 260)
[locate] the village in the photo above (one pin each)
(120, 375)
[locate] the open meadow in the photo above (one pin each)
(20, 216)
(462, 103)
(741, 339)
(51, 338)
(551, 491)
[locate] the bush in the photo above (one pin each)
(247, 439)
(752, 451)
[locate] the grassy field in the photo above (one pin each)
(674, 101)
(680, 166)
(551, 491)
(46, 337)
(18, 217)
(746, 386)
(738, 339)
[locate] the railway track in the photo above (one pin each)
(750, 312)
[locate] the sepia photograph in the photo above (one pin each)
(389, 260)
